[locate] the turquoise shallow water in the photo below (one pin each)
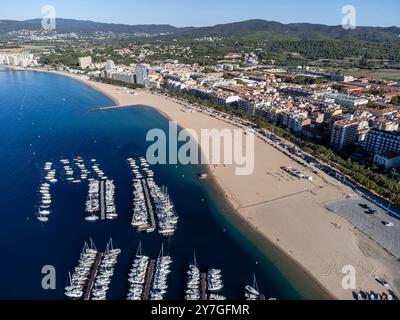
(46, 117)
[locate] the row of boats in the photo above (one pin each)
(92, 276)
(70, 173)
(101, 199)
(93, 201)
(208, 286)
(151, 202)
(193, 284)
(83, 173)
(215, 284)
(111, 209)
(143, 214)
(105, 272)
(50, 173)
(159, 284)
(100, 175)
(44, 192)
(147, 278)
(79, 280)
(167, 219)
(197, 284)
(137, 276)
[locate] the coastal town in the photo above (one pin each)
(317, 216)
(357, 118)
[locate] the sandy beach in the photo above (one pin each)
(289, 212)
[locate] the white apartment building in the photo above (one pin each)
(344, 133)
(23, 59)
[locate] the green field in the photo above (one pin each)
(385, 74)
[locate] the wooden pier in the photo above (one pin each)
(149, 279)
(89, 288)
(102, 201)
(203, 286)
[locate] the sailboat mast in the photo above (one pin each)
(162, 251)
(139, 249)
(92, 245)
(195, 260)
(255, 285)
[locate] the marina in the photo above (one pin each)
(100, 201)
(120, 136)
(152, 205)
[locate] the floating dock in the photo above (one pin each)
(102, 201)
(149, 278)
(88, 292)
(149, 205)
(203, 286)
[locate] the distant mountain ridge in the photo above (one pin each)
(85, 27)
(375, 34)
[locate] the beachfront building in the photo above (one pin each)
(85, 62)
(125, 76)
(270, 112)
(246, 106)
(388, 160)
(200, 93)
(142, 74)
(381, 142)
(21, 59)
(297, 122)
(224, 99)
(344, 133)
(109, 65)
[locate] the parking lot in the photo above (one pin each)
(354, 211)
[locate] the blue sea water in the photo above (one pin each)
(46, 117)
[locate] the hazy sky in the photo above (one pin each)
(207, 12)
